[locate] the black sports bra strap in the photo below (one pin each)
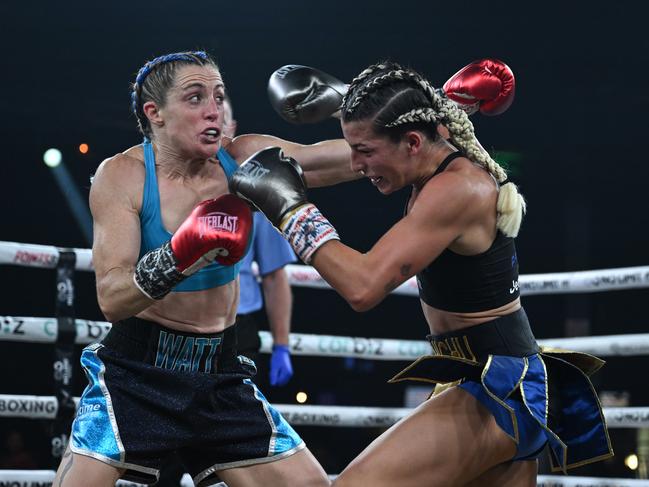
(449, 158)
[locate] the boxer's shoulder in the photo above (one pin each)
(122, 174)
(124, 166)
(243, 146)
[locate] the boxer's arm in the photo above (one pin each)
(278, 300)
(443, 211)
(324, 163)
(116, 239)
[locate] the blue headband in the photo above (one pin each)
(167, 58)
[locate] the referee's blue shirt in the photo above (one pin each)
(270, 251)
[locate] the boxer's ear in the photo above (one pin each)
(152, 113)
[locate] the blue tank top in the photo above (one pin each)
(154, 234)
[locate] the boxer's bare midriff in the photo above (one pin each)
(441, 321)
(207, 311)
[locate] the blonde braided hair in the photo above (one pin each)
(511, 205)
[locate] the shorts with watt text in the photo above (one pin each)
(153, 391)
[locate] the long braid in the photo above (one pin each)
(463, 136)
(366, 73)
(511, 205)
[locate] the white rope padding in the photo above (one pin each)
(20, 478)
(529, 284)
(44, 330)
(45, 407)
(47, 256)
(359, 416)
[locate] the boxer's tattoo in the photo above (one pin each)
(67, 467)
(394, 283)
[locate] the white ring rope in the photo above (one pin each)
(47, 256)
(45, 407)
(529, 284)
(31, 329)
(44, 330)
(20, 478)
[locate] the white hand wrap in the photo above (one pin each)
(306, 230)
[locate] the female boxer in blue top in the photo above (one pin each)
(167, 240)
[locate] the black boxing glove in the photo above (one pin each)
(301, 94)
(273, 183)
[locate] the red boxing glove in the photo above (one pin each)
(487, 85)
(216, 229)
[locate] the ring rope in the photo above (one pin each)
(529, 284)
(22, 477)
(45, 407)
(44, 330)
(47, 256)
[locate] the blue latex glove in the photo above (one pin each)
(281, 369)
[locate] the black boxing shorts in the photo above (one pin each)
(154, 390)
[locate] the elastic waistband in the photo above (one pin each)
(508, 335)
(151, 343)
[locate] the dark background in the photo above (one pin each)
(576, 138)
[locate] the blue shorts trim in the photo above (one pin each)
(284, 438)
(94, 430)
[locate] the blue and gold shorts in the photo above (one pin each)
(537, 396)
(153, 391)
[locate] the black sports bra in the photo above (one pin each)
(471, 283)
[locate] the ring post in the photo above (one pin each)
(64, 354)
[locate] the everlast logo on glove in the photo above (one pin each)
(284, 70)
(217, 221)
(253, 170)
